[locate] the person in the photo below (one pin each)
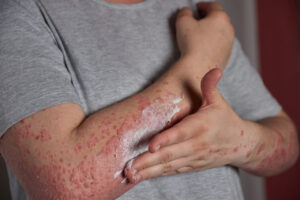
(98, 103)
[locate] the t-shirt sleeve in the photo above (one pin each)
(33, 75)
(243, 88)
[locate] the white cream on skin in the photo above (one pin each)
(153, 120)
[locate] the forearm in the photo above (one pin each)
(122, 131)
(51, 163)
(272, 146)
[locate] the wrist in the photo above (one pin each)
(252, 143)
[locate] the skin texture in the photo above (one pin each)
(59, 153)
(215, 136)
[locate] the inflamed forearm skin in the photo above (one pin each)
(90, 164)
(58, 153)
(277, 147)
(55, 160)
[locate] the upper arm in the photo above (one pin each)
(33, 76)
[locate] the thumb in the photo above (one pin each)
(209, 88)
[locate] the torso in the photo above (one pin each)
(125, 1)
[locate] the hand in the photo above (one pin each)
(209, 138)
(210, 38)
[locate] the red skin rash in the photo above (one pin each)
(248, 154)
(261, 148)
(279, 154)
(68, 180)
(82, 170)
(143, 102)
(236, 149)
(43, 136)
(242, 132)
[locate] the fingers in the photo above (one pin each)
(164, 155)
(208, 8)
(209, 88)
(176, 134)
(161, 169)
(191, 163)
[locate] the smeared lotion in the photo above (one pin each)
(153, 119)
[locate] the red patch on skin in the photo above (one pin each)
(104, 129)
(126, 125)
(261, 148)
(143, 102)
(93, 140)
(236, 149)
(166, 83)
(278, 156)
(78, 147)
(45, 136)
(22, 121)
(28, 151)
(158, 91)
(248, 154)
(91, 177)
(242, 132)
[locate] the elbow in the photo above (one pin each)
(293, 147)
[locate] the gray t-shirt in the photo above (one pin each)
(96, 53)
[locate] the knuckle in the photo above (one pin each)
(167, 167)
(200, 157)
(221, 15)
(182, 19)
(223, 19)
(199, 144)
(184, 169)
(197, 164)
(167, 156)
(195, 147)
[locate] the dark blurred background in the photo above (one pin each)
(269, 33)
